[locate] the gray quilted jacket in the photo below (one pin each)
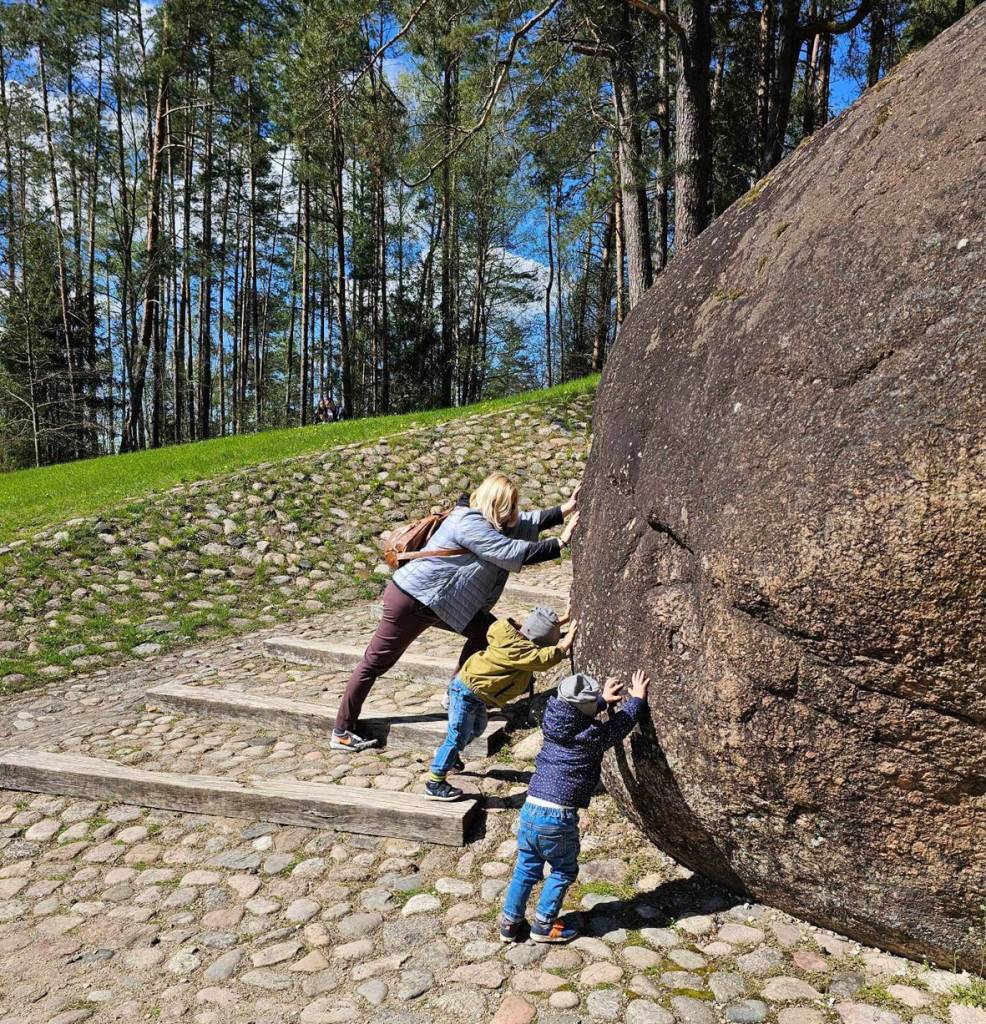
(456, 587)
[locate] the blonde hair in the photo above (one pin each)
(496, 497)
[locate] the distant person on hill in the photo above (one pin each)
(326, 411)
(566, 774)
(492, 679)
(454, 592)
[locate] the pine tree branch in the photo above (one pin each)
(383, 47)
(655, 12)
(830, 27)
(499, 80)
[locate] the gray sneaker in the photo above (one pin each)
(350, 742)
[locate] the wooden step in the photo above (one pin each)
(399, 732)
(372, 812)
(338, 655)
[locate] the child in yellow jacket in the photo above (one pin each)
(491, 679)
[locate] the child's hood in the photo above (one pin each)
(507, 644)
(562, 721)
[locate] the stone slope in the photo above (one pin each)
(113, 913)
(787, 493)
(275, 542)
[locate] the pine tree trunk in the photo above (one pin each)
(636, 227)
(693, 138)
(876, 34)
(765, 79)
(621, 291)
(664, 138)
(289, 367)
(90, 303)
(63, 288)
(186, 271)
(177, 298)
(548, 358)
(605, 287)
(340, 231)
(449, 106)
(384, 311)
(206, 263)
(306, 260)
(785, 69)
(138, 371)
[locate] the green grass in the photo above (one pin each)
(33, 498)
(973, 993)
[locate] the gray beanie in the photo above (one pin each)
(581, 690)
(542, 626)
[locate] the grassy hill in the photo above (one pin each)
(169, 547)
(35, 498)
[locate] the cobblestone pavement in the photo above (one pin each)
(117, 913)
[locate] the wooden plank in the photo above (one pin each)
(372, 812)
(338, 655)
(399, 732)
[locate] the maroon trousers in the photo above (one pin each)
(404, 620)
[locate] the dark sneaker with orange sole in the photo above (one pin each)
(512, 931)
(552, 931)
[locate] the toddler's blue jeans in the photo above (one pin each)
(467, 718)
(545, 835)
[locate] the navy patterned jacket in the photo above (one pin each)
(567, 770)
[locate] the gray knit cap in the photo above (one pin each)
(581, 690)
(542, 627)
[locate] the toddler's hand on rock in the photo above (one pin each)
(639, 684)
(569, 638)
(612, 689)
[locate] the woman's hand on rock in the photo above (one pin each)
(573, 502)
(569, 529)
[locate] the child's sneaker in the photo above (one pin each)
(349, 742)
(441, 791)
(459, 766)
(552, 931)
(511, 931)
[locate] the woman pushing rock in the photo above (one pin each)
(454, 592)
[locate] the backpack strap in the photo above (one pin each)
(405, 556)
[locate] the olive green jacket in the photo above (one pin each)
(503, 671)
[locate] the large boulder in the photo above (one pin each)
(786, 525)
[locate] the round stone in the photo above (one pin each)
(749, 1011)
(563, 1000)
(301, 910)
(421, 903)
(787, 493)
(644, 1011)
(603, 1004)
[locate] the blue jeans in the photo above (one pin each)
(467, 719)
(545, 835)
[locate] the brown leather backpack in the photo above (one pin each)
(407, 542)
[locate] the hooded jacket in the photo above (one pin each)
(504, 670)
(567, 770)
